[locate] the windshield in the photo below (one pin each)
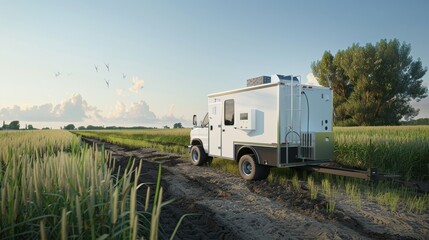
(205, 122)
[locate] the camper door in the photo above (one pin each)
(215, 128)
(229, 132)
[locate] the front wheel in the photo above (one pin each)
(198, 156)
(251, 170)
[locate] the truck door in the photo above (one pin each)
(215, 129)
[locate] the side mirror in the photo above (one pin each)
(194, 120)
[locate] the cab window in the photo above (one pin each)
(205, 122)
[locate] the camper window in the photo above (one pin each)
(229, 112)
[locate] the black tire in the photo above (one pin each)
(198, 156)
(251, 170)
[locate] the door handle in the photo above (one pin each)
(223, 130)
(211, 127)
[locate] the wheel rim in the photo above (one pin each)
(246, 168)
(195, 156)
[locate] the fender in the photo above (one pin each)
(246, 150)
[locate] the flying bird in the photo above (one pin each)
(57, 74)
(107, 82)
(107, 66)
(124, 76)
(96, 68)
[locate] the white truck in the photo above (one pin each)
(273, 122)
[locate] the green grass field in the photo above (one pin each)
(402, 150)
(172, 140)
(52, 186)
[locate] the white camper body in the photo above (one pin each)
(280, 124)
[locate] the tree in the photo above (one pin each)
(91, 127)
(166, 127)
(70, 127)
(372, 84)
(14, 125)
(30, 127)
(177, 125)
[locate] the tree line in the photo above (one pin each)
(91, 127)
(15, 125)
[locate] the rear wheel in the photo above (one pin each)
(251, 170)
(198, 156)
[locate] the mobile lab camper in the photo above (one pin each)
(273, 122)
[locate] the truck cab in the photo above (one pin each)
(199, 137)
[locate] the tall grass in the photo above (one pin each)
(35, 143)
(330, 192)
(354, 193)
(314, 189)
(401, 150)
(49, 193)
(386, 193)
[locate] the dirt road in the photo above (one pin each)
(232, 208)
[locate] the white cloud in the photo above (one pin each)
(170, 119)
(311, 80)
(423, 105)
(120, 109)
(140, 110)
(73, 109)
(137, 85)
(137, 113)
(76, 110)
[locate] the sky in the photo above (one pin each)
(165, 57)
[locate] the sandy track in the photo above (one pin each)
(232, 208)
